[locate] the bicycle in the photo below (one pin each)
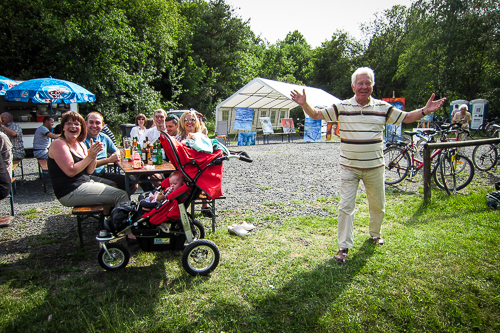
(400, 161)
(455, 171)
(486, 130)
(485, 157)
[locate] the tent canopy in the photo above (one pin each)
(269, 98)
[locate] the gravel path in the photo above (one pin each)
(281, 178)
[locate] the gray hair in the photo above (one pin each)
(8, 114)
(363, 70)
(464, 106)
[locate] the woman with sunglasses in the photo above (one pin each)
(70, 164)
(140, 127)
(188, 123)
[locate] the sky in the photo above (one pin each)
(316, 20)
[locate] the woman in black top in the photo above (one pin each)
(70, 164)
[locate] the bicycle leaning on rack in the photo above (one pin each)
(485, 157)
(402, 160)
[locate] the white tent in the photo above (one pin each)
(268, 98)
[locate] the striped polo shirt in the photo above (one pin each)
(362, 130)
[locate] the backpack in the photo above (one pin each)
(121, 216)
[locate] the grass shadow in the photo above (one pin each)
(65, 281)
(306, 297)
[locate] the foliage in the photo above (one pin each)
(450, 50)
(113, 48)
(333, 64)
(215, 57)
(387, 41)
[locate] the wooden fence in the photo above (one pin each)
(427, 158)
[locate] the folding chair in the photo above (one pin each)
(221, 133)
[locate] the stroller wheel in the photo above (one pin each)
(198, 229)
(200, 257)
(115, 258)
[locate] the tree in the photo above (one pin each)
(114, 48)
(387, 41)
(333, 64)
(217, 59)
(450, 49)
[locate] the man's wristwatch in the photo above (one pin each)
(423, 113)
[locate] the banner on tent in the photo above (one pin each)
(243, 120)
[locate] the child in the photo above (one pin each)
(176, 180)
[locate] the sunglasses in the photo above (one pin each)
(159, 117)
(186, 120)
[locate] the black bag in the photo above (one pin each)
(121, 216)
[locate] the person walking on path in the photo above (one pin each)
(362, 121)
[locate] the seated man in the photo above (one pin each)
(15, 134)
(110, 154)
(41, 140)
(171, 125)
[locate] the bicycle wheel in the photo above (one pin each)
(420, 147)
(448, 176)
(481, 131)
(397, 163)
(454, 172)
(485, 157)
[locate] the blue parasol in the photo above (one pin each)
(6, 84)
(49, 90)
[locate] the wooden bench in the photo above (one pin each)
(211, 204)
(15, 164)
(267, 135)
(43, 172)
(85, 212)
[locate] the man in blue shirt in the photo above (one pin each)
(41, 140)
(110, 154)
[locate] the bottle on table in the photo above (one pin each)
(144, 154)
(154, 154)
(159, 151)
(136, 163)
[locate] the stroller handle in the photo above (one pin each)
(241, 155)
(244, 157)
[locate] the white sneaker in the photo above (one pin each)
(237, 230)
(246, 226)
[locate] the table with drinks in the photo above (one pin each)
(143, 161)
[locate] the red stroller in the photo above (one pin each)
(202, 173)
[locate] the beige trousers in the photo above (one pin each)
(373, 179)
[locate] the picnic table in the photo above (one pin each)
(145, 171)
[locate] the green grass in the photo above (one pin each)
(31, 213)
(438, 272)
